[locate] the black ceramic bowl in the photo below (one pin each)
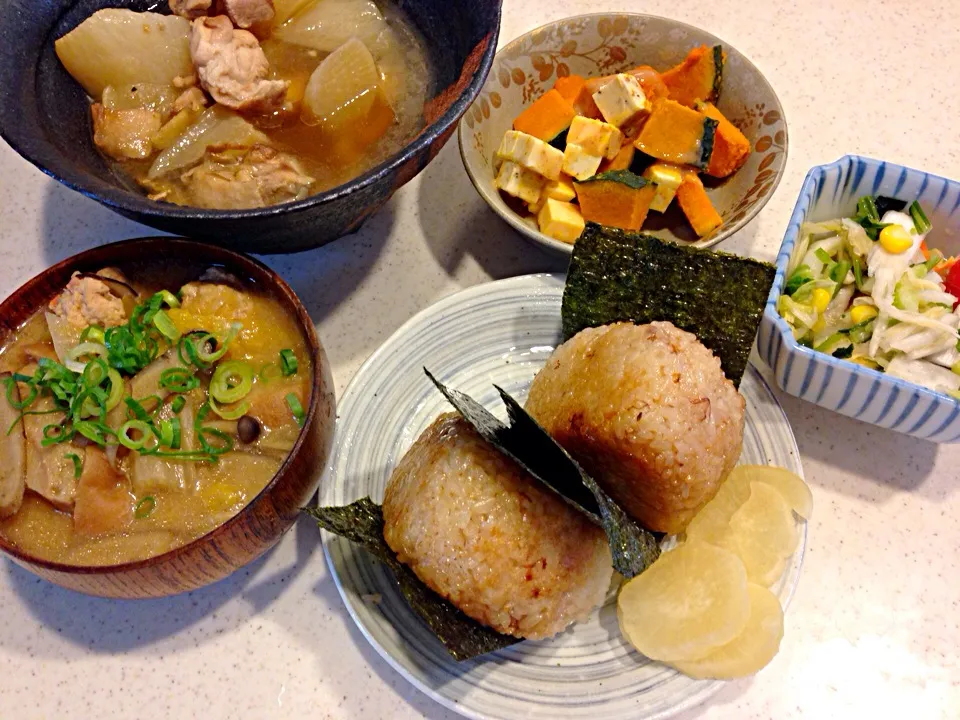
(45, 116)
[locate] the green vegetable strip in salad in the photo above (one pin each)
(853, 292)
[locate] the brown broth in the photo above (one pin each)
(217, 491)
(408, 86)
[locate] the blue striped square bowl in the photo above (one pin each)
(831, 191)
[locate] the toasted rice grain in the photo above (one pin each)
(648, 412)
(482, 533)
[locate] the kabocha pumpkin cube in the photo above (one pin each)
(532, 153)
(677, 134)
(696, 205)
(569, 87)
(547, 117)
(618, 198)
(730, 146)
(579, 163)
(698, 78)
(621, 100)
(595, 136)
(519, 182)
(560, 220)
(622, 160)
(668, 178)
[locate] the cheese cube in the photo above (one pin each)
(594, 136)
(516, 180)
(532, 153)
(579, 163)
(561, 190)
(560, 220)
(668, 178)
(621, 99)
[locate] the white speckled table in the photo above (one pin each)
(874, 630)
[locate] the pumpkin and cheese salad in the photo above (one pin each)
(611, 149)
(868, 290)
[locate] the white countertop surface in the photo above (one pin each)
(874, 629)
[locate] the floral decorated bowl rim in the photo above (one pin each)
(478, 178)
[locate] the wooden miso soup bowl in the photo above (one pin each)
(258, 526)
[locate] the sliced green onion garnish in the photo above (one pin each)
(94, 431)
(230, 413)
(77, 465)
(212, 357)
(288, 362)
(23, 402)
(145, 507)
(186, 455)
(123, 434)
(920, 220)
(166, 433)
(178, 380)
(226, 442)
(93, 333)
(296, 408)
(178, 404)
(167, 297)
(175, 440)
(170, 433)
(84, 349)
(117, 389)
(165, 325)
(55, 434)
(231, 381)
(136, 410)
(270, 371)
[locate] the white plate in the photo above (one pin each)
(502, 333)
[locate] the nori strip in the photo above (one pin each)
(885, 204)
(624, 177)
(618, 276)
(463, 637)
(633, 548)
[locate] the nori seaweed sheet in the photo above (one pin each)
(618, 276)
(633, 548)
(463, 637)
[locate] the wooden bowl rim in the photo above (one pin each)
(204, 252)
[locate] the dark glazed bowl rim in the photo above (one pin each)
(200, 253)
(127, 201)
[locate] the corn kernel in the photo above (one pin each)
(894, 239)
(861, 313)
(821, 298)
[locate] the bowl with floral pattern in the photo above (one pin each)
(604, 44)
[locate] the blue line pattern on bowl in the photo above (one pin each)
(501, 332)
(831, 191)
